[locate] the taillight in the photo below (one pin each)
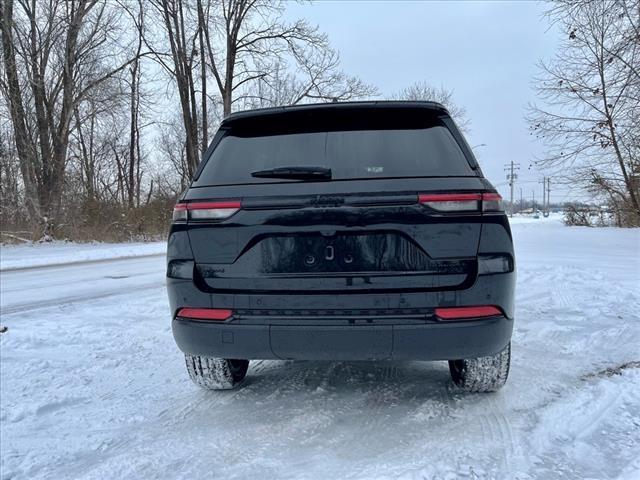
(463, 313)
(205, 210)
(492, 202)
(218, 314)
(180, 212)
(451, 202)
(462, 202)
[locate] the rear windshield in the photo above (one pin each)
(380, 145)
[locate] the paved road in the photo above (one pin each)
(30, 288)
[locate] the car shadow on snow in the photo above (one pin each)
(331, 404)
(381, 383)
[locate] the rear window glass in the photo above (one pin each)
(380, 145)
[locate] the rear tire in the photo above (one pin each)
(482, 374)
(216, 373)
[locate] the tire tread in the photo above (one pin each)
(482, 374)
(214, 373)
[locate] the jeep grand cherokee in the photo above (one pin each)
(344, 231)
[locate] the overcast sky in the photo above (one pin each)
(484, 51)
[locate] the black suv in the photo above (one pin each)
(343, 231)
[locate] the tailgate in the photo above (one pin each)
(336, 243)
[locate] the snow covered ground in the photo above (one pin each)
(92, 385)
(15, 257)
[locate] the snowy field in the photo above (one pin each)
(93, 387)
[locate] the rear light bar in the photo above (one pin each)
(492, 202)
(462, 202)
(218, 314)
(452, 202)
(205, 210)
(463, 313)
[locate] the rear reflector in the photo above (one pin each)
(496, 263)
(182, 269)
(462, 202)
(459, 313)
(205, 313)
(205, 210)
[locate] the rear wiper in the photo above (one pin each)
(297, 173)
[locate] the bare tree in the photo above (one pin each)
(10, 187)
(589, 120)
(247, 37)
(249, 54)
(320, 80)
(75, 98)
(135, 76)
(175, 176)
(54, 55)
(12, 90)
(182, 27)
(425, 92)
(88, 149)
(98, 154)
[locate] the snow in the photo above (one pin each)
(518, 219)
(92, 385)
(60, 253)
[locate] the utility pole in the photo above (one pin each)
(533, 193)
(511, 168)
(548, 195)
(544, 195)
(521, 201)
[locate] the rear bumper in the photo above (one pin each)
(425, 341)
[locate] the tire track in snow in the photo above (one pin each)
(513, 449)
(71, 299)
(576, 415)
(383, 396)
(498, 432)
(492, 435)
(597, 411)
(77, 263)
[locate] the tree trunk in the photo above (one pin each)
(612, 130)
(133, 132)
(203, 78)
(24, 145)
